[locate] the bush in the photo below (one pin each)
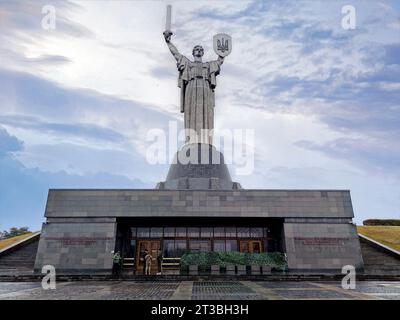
(381, 222)
(13, 232)
(204, 260)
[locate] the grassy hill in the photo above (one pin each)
(387, 235)
(6, 242)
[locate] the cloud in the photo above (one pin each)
(8, 143)
(371, 155)
(78, 130)
(323, 100)
(32, 102)
(82, 130)
(23, 190)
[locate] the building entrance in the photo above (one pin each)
(153, 247)
(250, 246)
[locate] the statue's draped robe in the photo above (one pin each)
(197, 81)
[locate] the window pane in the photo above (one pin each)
(266, 232)
(143, 232)
(243, 232)
(180, 247)
(230, 232)
(156, 232)
(219, 245)
(200, 245)
(193, 232)
(231, 245)
(132, 249)
(256, 232)
(219, 232)
(169, 232)
(244, 246)
(181, 232)
(169, 249)
(133, 232)
(206, 232)
(256, 247)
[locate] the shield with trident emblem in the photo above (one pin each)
(222, 44)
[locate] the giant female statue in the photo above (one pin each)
(197, 80)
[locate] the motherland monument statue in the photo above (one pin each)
(197, 81)
(198, 165)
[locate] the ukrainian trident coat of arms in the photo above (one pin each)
(222, 44)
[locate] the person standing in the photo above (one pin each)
(148, 260)
(117, 261)
(143, 258)
(159, 262)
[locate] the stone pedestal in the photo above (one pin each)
(255, 269)
(193, 270)
(230, 269)
(266, 269)
(215, 269)
(198, 167)
(241, 270)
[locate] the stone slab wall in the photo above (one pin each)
(80, 231)
(322, 246)
(216, 203)
(79, 246)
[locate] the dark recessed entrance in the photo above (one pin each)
(167, 239)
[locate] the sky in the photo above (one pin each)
(77, 101)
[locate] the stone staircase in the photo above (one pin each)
(19, 257)
(378, 260)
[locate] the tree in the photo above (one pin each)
(13, 232)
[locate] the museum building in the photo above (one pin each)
(194, 211)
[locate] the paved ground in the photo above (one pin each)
(198, 290)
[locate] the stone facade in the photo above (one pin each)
(213, 203)
(80, 230)
(317, 245)
(77, 245)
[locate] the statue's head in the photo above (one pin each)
(198, 51)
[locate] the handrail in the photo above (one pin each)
(389, 250)
(15, 245)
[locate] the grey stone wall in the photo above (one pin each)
(322, 246)
(81, 224)
(217, 203)
(77, 246)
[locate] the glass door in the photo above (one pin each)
(251, 246)
(152, 247)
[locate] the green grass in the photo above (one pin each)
(387, 235)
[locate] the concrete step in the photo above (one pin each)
(21, 257)
(378, 260)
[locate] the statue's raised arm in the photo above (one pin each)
(167, 36)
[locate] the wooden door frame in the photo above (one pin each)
(250, 242)
(139, 269)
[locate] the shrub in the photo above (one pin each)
(381, 222)
(204, 260)
(13, 232)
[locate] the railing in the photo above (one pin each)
(128, 263)
(170, 264)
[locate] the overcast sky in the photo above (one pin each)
(76, 102)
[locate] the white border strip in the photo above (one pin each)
(379, 244)
(19, 242)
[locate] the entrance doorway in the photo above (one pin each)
(251, 246)
(153, 246)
